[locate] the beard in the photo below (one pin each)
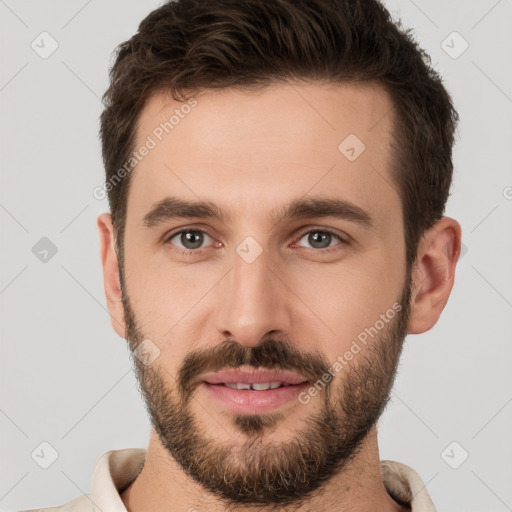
(257, 471)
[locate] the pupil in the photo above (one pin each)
(188, 238)
(319, 237)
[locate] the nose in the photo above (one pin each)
(252, 301)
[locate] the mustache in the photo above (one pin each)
(271, 354)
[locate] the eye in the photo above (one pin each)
(322, 238)
(190, 239)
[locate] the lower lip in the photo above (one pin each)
(249, 401)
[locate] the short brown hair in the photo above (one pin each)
(186, 46)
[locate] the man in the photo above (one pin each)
(277, 175)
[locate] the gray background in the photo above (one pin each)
(65, 375)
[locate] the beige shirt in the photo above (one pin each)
(116, 469)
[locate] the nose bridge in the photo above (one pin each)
(252, 301)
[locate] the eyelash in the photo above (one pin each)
(326, 250)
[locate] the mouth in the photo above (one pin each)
(255, 386)
(253, 391)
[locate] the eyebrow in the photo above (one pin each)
(175, 208)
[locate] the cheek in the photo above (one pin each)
(164, 296)
(348, 299)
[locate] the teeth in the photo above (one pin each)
(256, 386)
(238, 386)
(261, 386)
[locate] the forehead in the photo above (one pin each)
(252, 151)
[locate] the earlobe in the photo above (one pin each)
(111, 281)
(434, 274)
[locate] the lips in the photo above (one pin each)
(254, 391)
(253, 378)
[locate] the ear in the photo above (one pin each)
(434, 273)
(111, 281)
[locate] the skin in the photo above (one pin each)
(250, 152)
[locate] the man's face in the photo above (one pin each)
(257, 287)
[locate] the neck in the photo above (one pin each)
(163, 486)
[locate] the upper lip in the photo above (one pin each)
(253, 376)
